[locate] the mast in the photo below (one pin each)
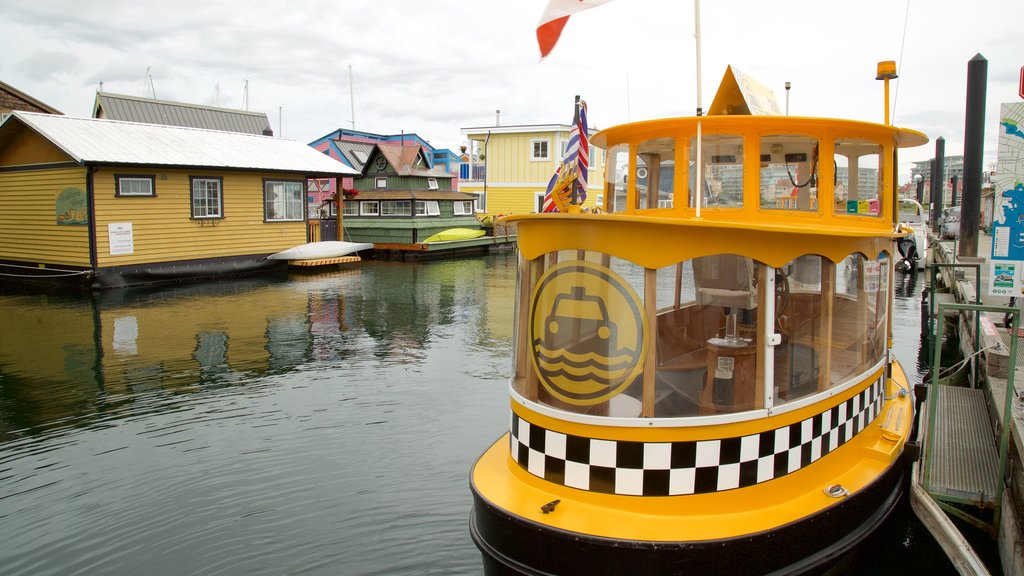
(352, 96)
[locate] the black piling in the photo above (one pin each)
(974, 143)
(938, 182)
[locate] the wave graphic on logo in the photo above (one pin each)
(584, 374)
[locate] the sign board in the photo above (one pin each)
(1004, 278)
(121, 240)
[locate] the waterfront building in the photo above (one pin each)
(400, 199)
(12, 99)
(510, 167)
(103, 203)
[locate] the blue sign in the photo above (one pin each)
(1008, 226)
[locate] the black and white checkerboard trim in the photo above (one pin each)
(692, 467)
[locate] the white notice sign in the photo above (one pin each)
(121, 241)
(1004, 278)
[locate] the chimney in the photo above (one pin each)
(497, 117)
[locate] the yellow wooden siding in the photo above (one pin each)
(163, 229)
(519, 200)
(28, 148)
(28, 221)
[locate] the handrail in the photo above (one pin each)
(1004, 432)
(931, 302)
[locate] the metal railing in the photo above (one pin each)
(1004, 432)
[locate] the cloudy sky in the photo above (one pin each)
(436, 67)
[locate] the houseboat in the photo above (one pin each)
(102, 203)
(703, 379)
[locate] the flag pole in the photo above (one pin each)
(699, 181)
(575, 122)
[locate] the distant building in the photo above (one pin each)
(400, 199)
(511, 165)
(12, 99)
(353, 147)
(103, 203)
(151, 111)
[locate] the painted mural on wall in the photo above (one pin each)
(71, 208)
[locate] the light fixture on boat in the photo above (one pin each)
(836, 491)
(886, 72)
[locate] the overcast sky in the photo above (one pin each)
(435, 67)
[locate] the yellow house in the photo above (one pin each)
(101, 203)
(510, 167)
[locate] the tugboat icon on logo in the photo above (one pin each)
(587, 332)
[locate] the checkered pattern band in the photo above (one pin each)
(691, 467)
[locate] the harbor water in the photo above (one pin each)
(291, 424)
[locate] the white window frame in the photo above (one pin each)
(349, 208)
(381, 182)
(538, 202)
(392, 208)
(364, 208)
(480, 204)
(431, 183)
(427, 208)
(285, 205)
(466, 207)
(132, 179)
(194, 183)
(533, 149)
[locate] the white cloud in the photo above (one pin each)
(433, 68)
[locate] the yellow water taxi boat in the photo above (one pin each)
(703, 377)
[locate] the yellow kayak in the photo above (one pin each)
(456, 234)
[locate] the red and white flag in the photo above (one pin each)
(554, 18)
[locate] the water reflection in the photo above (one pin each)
(318, 423)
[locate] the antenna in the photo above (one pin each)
(352, 96)
(149, 80)
(245, 95)
(216, 94)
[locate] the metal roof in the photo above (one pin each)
(152, 111)
(94, 141)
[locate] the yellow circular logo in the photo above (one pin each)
(587, 328)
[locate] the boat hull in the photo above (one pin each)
(320, 250)
(514, 545)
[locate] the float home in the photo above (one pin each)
(102, 203)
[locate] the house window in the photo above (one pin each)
(350, 208)
(369, 208)
(539, 150)
(463, 207)
(207, 197)
(431, 183)
(135, 185)
(395, 208)
(382, 182)
(283, 200)
(427, 208)
(481, 201)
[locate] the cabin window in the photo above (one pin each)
(616, 179)
(135, 185)
(283, 200)
(381, 182)
(369, 208)
(858, 179)
(206, 197)
(427, 208)
(789, 173)
(350, 208)
(655, 173)
(395, 208)
(431, 183)
(860, 312)
(463, 207)
(707, 345)
(721, 170)
(539, 149)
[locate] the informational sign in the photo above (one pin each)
(121, 240)
(872, 276)
(1004, 279)
(1008, 214)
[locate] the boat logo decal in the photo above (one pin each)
(588, 328)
